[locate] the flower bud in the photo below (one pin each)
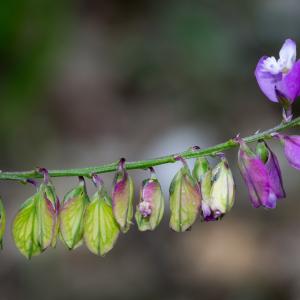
(222, 189)
(100, 227)
(291, 145)
(2, 223)
(270, 160)
(35, 225)
(185, 200)
(150, 210)
(262, 151)
(258, 177)
(122, 197)
(71, 215)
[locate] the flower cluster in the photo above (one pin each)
(207, 192)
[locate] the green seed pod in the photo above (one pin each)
(25, 228)
(71, 215)
(223, 189)
(100, 227)
(35, 225)
(206, 186)
(2, 223)
(122, 197)
(47, 191)
(185, 200)
(150, 210)
(201, 167)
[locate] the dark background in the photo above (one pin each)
(84, 83)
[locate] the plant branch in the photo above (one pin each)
(144, 164)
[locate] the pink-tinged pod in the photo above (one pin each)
(291, 145)
(2, 223)
(71, 215)
(35, 226)
(122, 197)
(150, 209)
(185, 200)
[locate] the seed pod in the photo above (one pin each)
(100, 227)
(48, 194)
(25, 228)
(2, 223)
(201, 167)
(150, 210)
(71, 215)
(185, 200)
(122, 197)
(222, 189)
(35, 225)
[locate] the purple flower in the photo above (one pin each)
(279, 79)
(263, 179)
(273, 168)
(291, 149)
(145, 209)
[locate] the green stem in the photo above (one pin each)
(144, 164)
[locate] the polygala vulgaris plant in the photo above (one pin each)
(207, 192)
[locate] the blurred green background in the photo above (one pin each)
(86, 82)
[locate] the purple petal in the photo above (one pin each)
(266, 80)
(275, 177)
(205, 210)
(290, 84)
(292, 150)
(271, 201)
(256, 177)
(287, 54)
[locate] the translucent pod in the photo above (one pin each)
(122, 197)
(222, 189)
(201, 167)
(35, 226)
(185, 200)
(71, 215)
(150, 209)
(100, 227)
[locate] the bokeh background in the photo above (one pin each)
(86, 82)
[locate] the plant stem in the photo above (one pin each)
(144, 164)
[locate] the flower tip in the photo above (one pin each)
(97, 180)
(122, 163)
